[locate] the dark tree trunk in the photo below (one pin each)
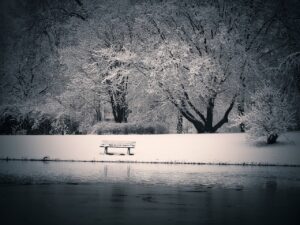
(272, 139)
(119, 110)
(189, 111)
(241, 104)
(120, 114)
(199, 127)
(207, 126)
(210, 116)
(98, 114)
(241, 112)
(118, 101)
(179, 123)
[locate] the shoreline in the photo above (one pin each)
(155, 162)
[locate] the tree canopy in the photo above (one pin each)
(148, 61)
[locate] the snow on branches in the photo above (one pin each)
(196, 65)
(269, 115)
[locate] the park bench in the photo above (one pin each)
(118, 144)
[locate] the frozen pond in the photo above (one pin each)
(119, 193)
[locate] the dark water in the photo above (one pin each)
(113, 193)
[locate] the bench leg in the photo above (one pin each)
(105, 150)
(128, 151)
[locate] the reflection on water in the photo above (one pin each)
(235, 177)
(146, 194)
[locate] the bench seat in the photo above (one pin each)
(117, 144)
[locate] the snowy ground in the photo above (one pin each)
(189, 148)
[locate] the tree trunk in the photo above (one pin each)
(179, 123)
(206, 126)
(241, 104)
(241, 112)
(201, 123)
(199, 127)
(272, 139)
(120, 112)
(98, 114)
(210, 116)
(118, 101)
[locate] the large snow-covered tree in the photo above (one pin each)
(112, 60)
(101, 67)
(112, 67)
(194, 63)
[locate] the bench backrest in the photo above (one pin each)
(118, 144)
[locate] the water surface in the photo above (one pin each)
(119, 193)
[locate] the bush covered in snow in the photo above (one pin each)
(269, 115)
(42, 123)
(64, 124)
(16, 121)
(9, 120)
(13, 121)
(128, 128)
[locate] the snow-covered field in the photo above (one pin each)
(188, 148)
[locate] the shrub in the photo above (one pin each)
(64, 124)
(128, 128)
(8, 124)
(42, 123)
(269, 116)
(9, 120)
(13, 121)
(26, 124)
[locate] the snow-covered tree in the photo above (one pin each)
(104, 62)
(112, 66)
(258, 22)
(147, 61)
(32, 66)
(269, 115)
(194, 63)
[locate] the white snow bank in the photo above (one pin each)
(189, 148)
